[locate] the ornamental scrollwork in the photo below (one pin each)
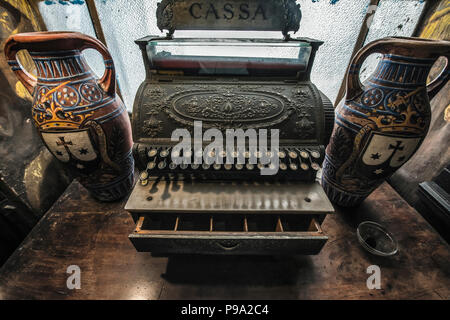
(228, 105)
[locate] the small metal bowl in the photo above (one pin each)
(376, 239)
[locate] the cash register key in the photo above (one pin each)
(315, 154)
(162, 165)
(217, 166)
(304, 154)
(152, 153)
(223, 154)
(143, 175)
(304, 166)
(293, 166)
(269, 154)
(293, 155)
(271, 166)
(283, 166)
(260, 166)
(250, 166)
(195, 166)
(246, 154)
(144, 183)
(234, 154)
(164, 153)
(206, 166)
(172, 166)
(258, 154)
(228, 166)
(315, 166)
(281, 154)
(184, 166)
(151, 165)
(239, 166)
(211, 154)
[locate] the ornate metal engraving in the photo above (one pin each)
(305, 127)
(154, 97)
(152, 127)
(229, 107)
(294, 109)
(283, 15)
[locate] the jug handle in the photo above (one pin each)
(441, 80)
(12, 47)
(383, 46)
(108, 81)
(354, 85)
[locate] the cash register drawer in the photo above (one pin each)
(228, 234)
(228, 217)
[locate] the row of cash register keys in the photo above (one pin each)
(293, 159)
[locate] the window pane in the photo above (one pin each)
(337, 23)
(66, 16)
(392, 18)
(72, 16)
(124, 21)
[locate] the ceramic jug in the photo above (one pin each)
(380, 124)
(80, 119)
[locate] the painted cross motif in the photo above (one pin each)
(384, 153)
(74, 145)
(397, 147)
(62, 142)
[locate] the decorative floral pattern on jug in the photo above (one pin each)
(81, 120)
(381, 124)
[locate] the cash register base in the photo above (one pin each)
(229, 217)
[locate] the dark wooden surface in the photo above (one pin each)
(80, 231)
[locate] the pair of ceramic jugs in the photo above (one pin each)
(82, 121)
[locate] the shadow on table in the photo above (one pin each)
(239, 270)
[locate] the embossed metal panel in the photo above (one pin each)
(228, 15)
(232, 197)
(225, 105)
(295, 109)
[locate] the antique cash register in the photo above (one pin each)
(229, 134)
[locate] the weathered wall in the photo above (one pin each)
(434, 154)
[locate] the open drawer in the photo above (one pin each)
(270, 234)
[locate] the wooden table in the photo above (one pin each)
(80, 231)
